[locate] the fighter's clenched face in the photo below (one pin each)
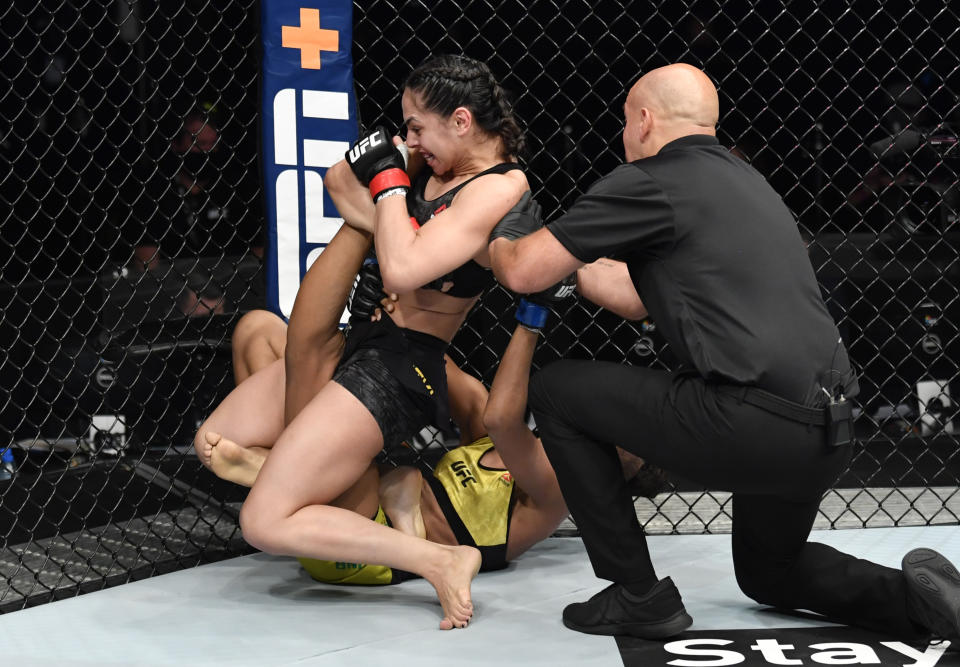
(436, 137)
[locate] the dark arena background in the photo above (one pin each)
(850, 109)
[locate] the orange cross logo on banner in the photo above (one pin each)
(310, 38)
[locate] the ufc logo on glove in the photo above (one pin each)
(364, 145)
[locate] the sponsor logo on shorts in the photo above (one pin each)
(424, 379)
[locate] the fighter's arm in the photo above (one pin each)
(410, 257)
(607, 283)
(468, 399)
(625, 211)
(314, 342)
(543, 507)
(531, 263)
(350, 196)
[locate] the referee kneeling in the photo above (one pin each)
(759, 407)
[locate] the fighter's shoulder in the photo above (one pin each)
(511, 184)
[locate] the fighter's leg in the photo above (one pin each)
(258, 339)
(400, 499)
(253, 414)
(250, 417)
(232, 462)
(314, 341)
(288, 510)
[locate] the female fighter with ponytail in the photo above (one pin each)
(390, 381)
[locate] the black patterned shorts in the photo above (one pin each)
(399, 413)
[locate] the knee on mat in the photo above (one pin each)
(762, 587)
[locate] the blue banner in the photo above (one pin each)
(309, 117)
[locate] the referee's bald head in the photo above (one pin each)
(668, 103)
(678, 93)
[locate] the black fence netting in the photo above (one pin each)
(133, 232)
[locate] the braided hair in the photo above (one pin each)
(446, 82)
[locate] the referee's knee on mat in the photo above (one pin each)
(763, 587)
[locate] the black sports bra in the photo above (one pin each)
(470, 279)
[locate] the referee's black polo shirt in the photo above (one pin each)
(718, 261)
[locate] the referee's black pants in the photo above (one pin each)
(777, 470)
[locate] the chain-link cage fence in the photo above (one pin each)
(133, 231)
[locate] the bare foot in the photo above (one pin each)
(400, 499)
(205, 447)
(452, 584)
(234, 463)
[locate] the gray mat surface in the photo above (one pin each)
(262, 610)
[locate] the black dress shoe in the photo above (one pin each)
(616, 611)
(933, 593)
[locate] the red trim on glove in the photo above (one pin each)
(388, 178)
(413, 221)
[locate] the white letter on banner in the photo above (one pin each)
(686, 647)
(319, 229)
(322, 153)
(288, 240)
(844, 653)
(329, 105)
(326, 104)
(929, 658)
(285, 127)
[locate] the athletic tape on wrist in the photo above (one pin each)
(387, 179)
(531, 315)
(383, 194)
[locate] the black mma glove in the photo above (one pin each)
(532, 310)
(554, 293)
(379, 164)
(524, 218)
(367, 292)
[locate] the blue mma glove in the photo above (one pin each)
(532, 310)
